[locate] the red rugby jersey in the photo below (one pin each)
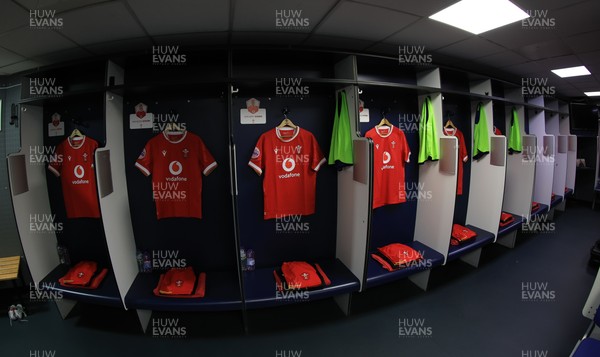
(463, 156)
(74, 163)
(176, 162)
(390, 155)
(289, 159)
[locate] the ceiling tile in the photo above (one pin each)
(515, 36)
(560, 62)
(420, 32)
(193, 39)
(7, 57)
(12, 16)
(181, 16)
(384, 49)
(544, 4)
(260, 15)
(121, 46)
(585, 42)
(262, 38)
(101, 23)
(30, 42)
(546, 49)
(420, 8)
(578, 18)
(330, 42)
(19, 67)
(58, 5)
(72, 54)
(383, 22)
(471, 48)
(589, 58)
(503, 59)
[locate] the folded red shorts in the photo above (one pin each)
(162, 289)
(81, 274)
(461, 234)
(396, 256)
(300, 275)
(506, 219)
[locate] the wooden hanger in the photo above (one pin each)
(384, 121)
(286, 122)
(76, 134)
(449, 124)
(173, 128)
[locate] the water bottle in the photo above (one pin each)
(243, 259)
(147, 265)
(140, 260)
(250, 262)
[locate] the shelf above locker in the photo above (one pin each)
(222, 293)
(261, 287)
(106, 294)
(482, 238)
(377, 275)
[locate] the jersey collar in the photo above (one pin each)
(391, 128)
(176, 141)
(449, 132)
(79, 140)
(277, 131)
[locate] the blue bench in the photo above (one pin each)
(222, 293)
(377, 275)
(106, 294)
(568, 192)
(588, 348)
(260, 287)
(557, 199)
(483, 237)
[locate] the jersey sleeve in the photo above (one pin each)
(257, 161)
(207, 161)
(55, 164)
(317, 159)
(463, 154)
(144, 161)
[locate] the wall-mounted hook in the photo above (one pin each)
(360, 91)
(234, 90)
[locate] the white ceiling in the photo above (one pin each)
(103, 27)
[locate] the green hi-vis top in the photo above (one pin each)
(341, 151)
(514, 142)
(481, 136)
(429, 147)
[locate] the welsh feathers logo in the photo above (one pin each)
(256, 153)
(175, 168)
(288, 164)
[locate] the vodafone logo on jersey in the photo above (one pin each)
(79, 171)
(386, 157)
(288, 164)
(175, 168)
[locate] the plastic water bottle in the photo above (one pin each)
(243, 259)
(251, 262)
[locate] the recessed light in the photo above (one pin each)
(477, 16)
(592, 94)
(571, 72)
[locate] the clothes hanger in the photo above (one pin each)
(384, 121)
(76, 135)
(286, 122)
(449, 123)
(173, 129)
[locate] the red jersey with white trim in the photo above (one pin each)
(463, 156)
(289, 159)
(390, 155)
(176, 161)
(74, 163)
